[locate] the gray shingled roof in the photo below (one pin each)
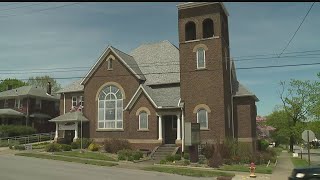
(164, 96)
(131, 63)
(28, 91)
(73, 87)
(10, 113)
(159, 62)
(74, 116)
(240, 90)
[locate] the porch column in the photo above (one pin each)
(57, 130)
(178, 127)
(160, 128)
(75, 131)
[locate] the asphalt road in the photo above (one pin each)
(26, 168)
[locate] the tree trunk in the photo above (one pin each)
(291, 143)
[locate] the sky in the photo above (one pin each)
(35, 37)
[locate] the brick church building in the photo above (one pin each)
(147, 95)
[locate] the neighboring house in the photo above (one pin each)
(147, 95)
(29, 105)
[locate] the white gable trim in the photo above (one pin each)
(100, 60)
(135, 98)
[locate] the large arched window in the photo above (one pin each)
(207, 28)
(143, 120)
(110, 105)
(190, 31)
(202, 118)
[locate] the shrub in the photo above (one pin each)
(93, 147)
(19, 147)
(216, 159)
(130, 155)
(121, 157)
(53, 147)
(130, 158)
(186, 156)
(201, 161)
(264, 144)
(115, 145)
(186, 162)
(15, 130)
(66, 147)
(75, 145)
(163, 161)
(207, 151)
(137, 155)
(170, 158)
(85, 142)
(177, 157)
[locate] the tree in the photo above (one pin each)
(14, 83)
(42, 81)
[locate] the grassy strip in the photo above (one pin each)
(68, 159)
(188, 171)
(259, 168)
(88, 155)
(297, 162)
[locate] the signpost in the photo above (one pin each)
(192, 139)
(308, 136)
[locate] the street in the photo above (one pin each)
(18, 168)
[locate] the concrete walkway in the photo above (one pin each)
(283, 168)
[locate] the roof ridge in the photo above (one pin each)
(120, 51)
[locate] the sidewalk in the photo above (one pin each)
(283, 168)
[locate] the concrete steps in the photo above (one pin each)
(163, 151)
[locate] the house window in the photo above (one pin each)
(207, 27)
(5, 103)
(38, 103)
(190, 31)
(110, 65)
(202, 118)
(201, 58)
(110, 108)
(74, 101)
(143, 120)
(17, 104)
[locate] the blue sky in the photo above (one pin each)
(75, 36)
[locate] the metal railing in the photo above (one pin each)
(33, 138)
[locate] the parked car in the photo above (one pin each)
(308, 173)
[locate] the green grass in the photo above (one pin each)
(297, 162)
(188, 171)
(87, 155)
(68, 159)
(259, 168)
(40, 145)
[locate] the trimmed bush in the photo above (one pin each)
(130, 155)
(264, 144)
(15, 130)
(115, 145)
(186, 162)
(93, 147)
(186, 156)
(19, 147)
(66, 147)
(130, 158)
(163, 161)
(170, 158)
(53, 147)
(177, 157)
(75, 145)
(208, 151)
(137, 155)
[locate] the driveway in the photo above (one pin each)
(17, 168)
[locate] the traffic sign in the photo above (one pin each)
(305, 135)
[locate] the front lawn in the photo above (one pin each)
(297, 162)
(87, 155)
(188, 171)
(68, 159)
(245, 168)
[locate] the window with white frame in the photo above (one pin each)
(201, 58)
(143, 120)
(6, 103)
(202, 118)
(17, 103)
(110, 108)
(81, 102)
(38, 103)
(110, 65)
(74, 101)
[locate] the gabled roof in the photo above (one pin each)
(126, 59)
(161, 98)
(28, 91)
(75, 116)
(159, 62)
(73, 87)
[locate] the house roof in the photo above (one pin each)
(164, 97)
(159, 62)
(126, 59)
(10, 113)
(28, 91)
(74, 116)
(240, 90)
(73, 87)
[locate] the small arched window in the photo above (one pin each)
(190, 31)
(202, 118)
(207, 28)
(110, 65)
(143, 120)
(201, 58)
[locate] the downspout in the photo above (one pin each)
(231, 89)
(27, 118)
(182, 119)
(64, 103)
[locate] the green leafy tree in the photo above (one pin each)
(15, 83)
(42, 81)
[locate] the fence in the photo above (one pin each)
(33, 138)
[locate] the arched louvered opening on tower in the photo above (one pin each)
(190, 31)
(207, 28)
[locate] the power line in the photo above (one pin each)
(297, 29)
(45, 9)
(4, 5)
(18, 7)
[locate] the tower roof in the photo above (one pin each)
(198, 4)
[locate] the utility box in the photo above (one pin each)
(191, 133)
